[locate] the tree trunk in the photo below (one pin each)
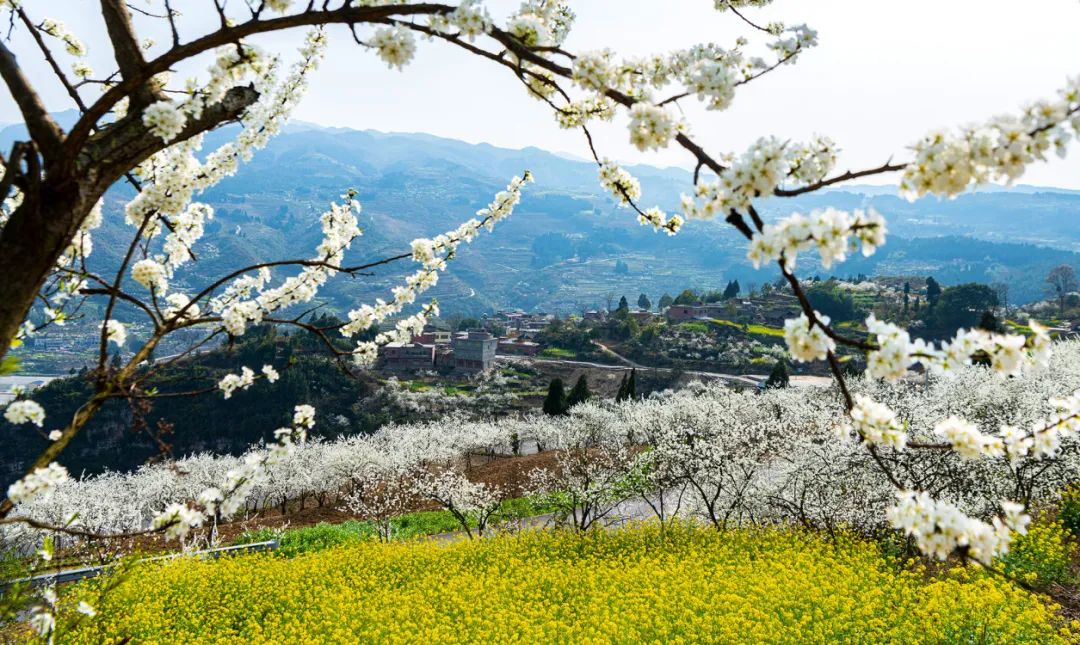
(30, 243)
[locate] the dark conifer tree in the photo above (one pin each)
(579, 393)
(555, 402)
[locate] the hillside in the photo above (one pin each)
(559, 250)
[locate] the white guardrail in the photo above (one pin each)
(73, 575)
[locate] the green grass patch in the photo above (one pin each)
(306, 539)
(694, 327)
(418, 386)
(456, 390)
(760, 330)
(292, 542)
(558, 352)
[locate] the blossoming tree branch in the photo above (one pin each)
(140, 125)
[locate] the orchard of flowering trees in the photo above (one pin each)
(143, 126)
(723, 457)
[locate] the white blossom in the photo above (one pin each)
(150, 274)
(808, 342)
(116, 332)
(25, 411)
(396, 45)
(876, 424)
(967, 440)
(232, 382)
(164, 119)
(270, 373)
(651, 127)
(38, 484)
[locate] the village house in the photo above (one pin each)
(474, 349)
(643, 316)
(518, 347)
(406, 357)
(695, 311)
(433, 335)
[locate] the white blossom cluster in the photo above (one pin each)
(60, 31)
(245, 379)
(1008, 354)
(707, 71)
(339, 228)
(759, 171)
(724, 5)
(175, 175)
(875, 424)
(469, 19)
(151, 275)
(396, 45)
(828, 230)
(115, 332)
(966, 439)
(595, 70)
(652, 127)
(940, 528)
(801, 38)
(165, 119)
(999, 150)
(38, 484)
(25, 411)
(626, 189)
(808, 341)
(432, 254)
(541, 23)
(620, 183)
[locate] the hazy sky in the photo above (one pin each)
(883, 74)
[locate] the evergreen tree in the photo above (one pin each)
(631, 386)
(579, 393)
(731, 290)
(907, 296)
(555, 402)
(623, 304)
(621, 394)
(687, 297)
(779, 377)
(644, 303)
(933, 292)
(665, 301)
(989, 322)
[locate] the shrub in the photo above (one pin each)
(306, 539)
(1069, 510)
(1043, 556)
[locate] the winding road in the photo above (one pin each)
(744, 380)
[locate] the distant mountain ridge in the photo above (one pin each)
(559, 250)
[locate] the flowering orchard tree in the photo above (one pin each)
(146, 128)
(726, 457)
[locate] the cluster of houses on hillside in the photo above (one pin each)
(773, 313)
(515, 333)
(471, 350)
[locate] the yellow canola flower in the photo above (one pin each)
(636, 585)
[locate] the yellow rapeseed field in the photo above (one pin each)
(627, 586)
